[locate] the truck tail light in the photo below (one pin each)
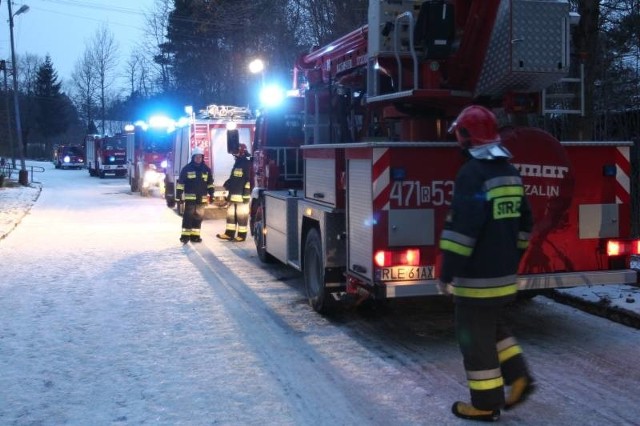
(622, 247)
(409, 257)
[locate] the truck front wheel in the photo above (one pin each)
(133, 182)
(313, 271)
(257, 227)
(169, 194)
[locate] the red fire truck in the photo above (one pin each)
(149, 144)
(68, 157)
(209, 131)
(106, 155)
(370, 127)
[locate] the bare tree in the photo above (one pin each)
(144, 77)
(327, 20)
(131, 72)
(85, 87)
(27, 75)
(137, 75)
(104, 54)
(157, 21)
(28, 67)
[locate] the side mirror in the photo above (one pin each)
(233, 141)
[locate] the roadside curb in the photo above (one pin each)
(602, 308)
(24, 209)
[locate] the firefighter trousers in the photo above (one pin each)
(492, 357)
(237, 220)
(192, 219)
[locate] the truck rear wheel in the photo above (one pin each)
(313, 271)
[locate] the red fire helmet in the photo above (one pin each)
(475, 126)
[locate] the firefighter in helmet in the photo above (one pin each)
(485, 235)
(239, 187)
(196, 184)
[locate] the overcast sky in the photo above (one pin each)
(62, 28)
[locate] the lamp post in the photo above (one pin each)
(23, 175)
(257, 66)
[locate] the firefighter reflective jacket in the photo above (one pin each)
(196, 182)
(486, 232)
(238, 184)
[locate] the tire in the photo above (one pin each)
(259, 240)
(313, 271)
(258, 235)
(134, 184)
(169, 194)
(101, 174)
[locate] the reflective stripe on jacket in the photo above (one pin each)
(486, 232)
(239, 184)
(195, 182)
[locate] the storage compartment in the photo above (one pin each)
(281, 225)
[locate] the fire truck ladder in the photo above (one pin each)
(566, 96)
(201, 131)
(289, 160)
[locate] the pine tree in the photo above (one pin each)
(53, 107)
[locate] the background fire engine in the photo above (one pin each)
(106, 155)
(210, 131)
(352, 180)
(68, 157)
(149, 143)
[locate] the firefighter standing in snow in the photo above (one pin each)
(196, 183)
(485, 235)
(239, 188)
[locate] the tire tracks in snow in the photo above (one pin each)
(317, 395)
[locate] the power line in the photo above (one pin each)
(84, 17)
(93, 5)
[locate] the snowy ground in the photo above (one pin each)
(106, 319)
(15, 203)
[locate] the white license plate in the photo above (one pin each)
(405, 273)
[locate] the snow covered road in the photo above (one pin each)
(105, 318)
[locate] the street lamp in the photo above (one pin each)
(257, 66)
(23, 175)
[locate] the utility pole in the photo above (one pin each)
(12, 152)
(23, 175)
